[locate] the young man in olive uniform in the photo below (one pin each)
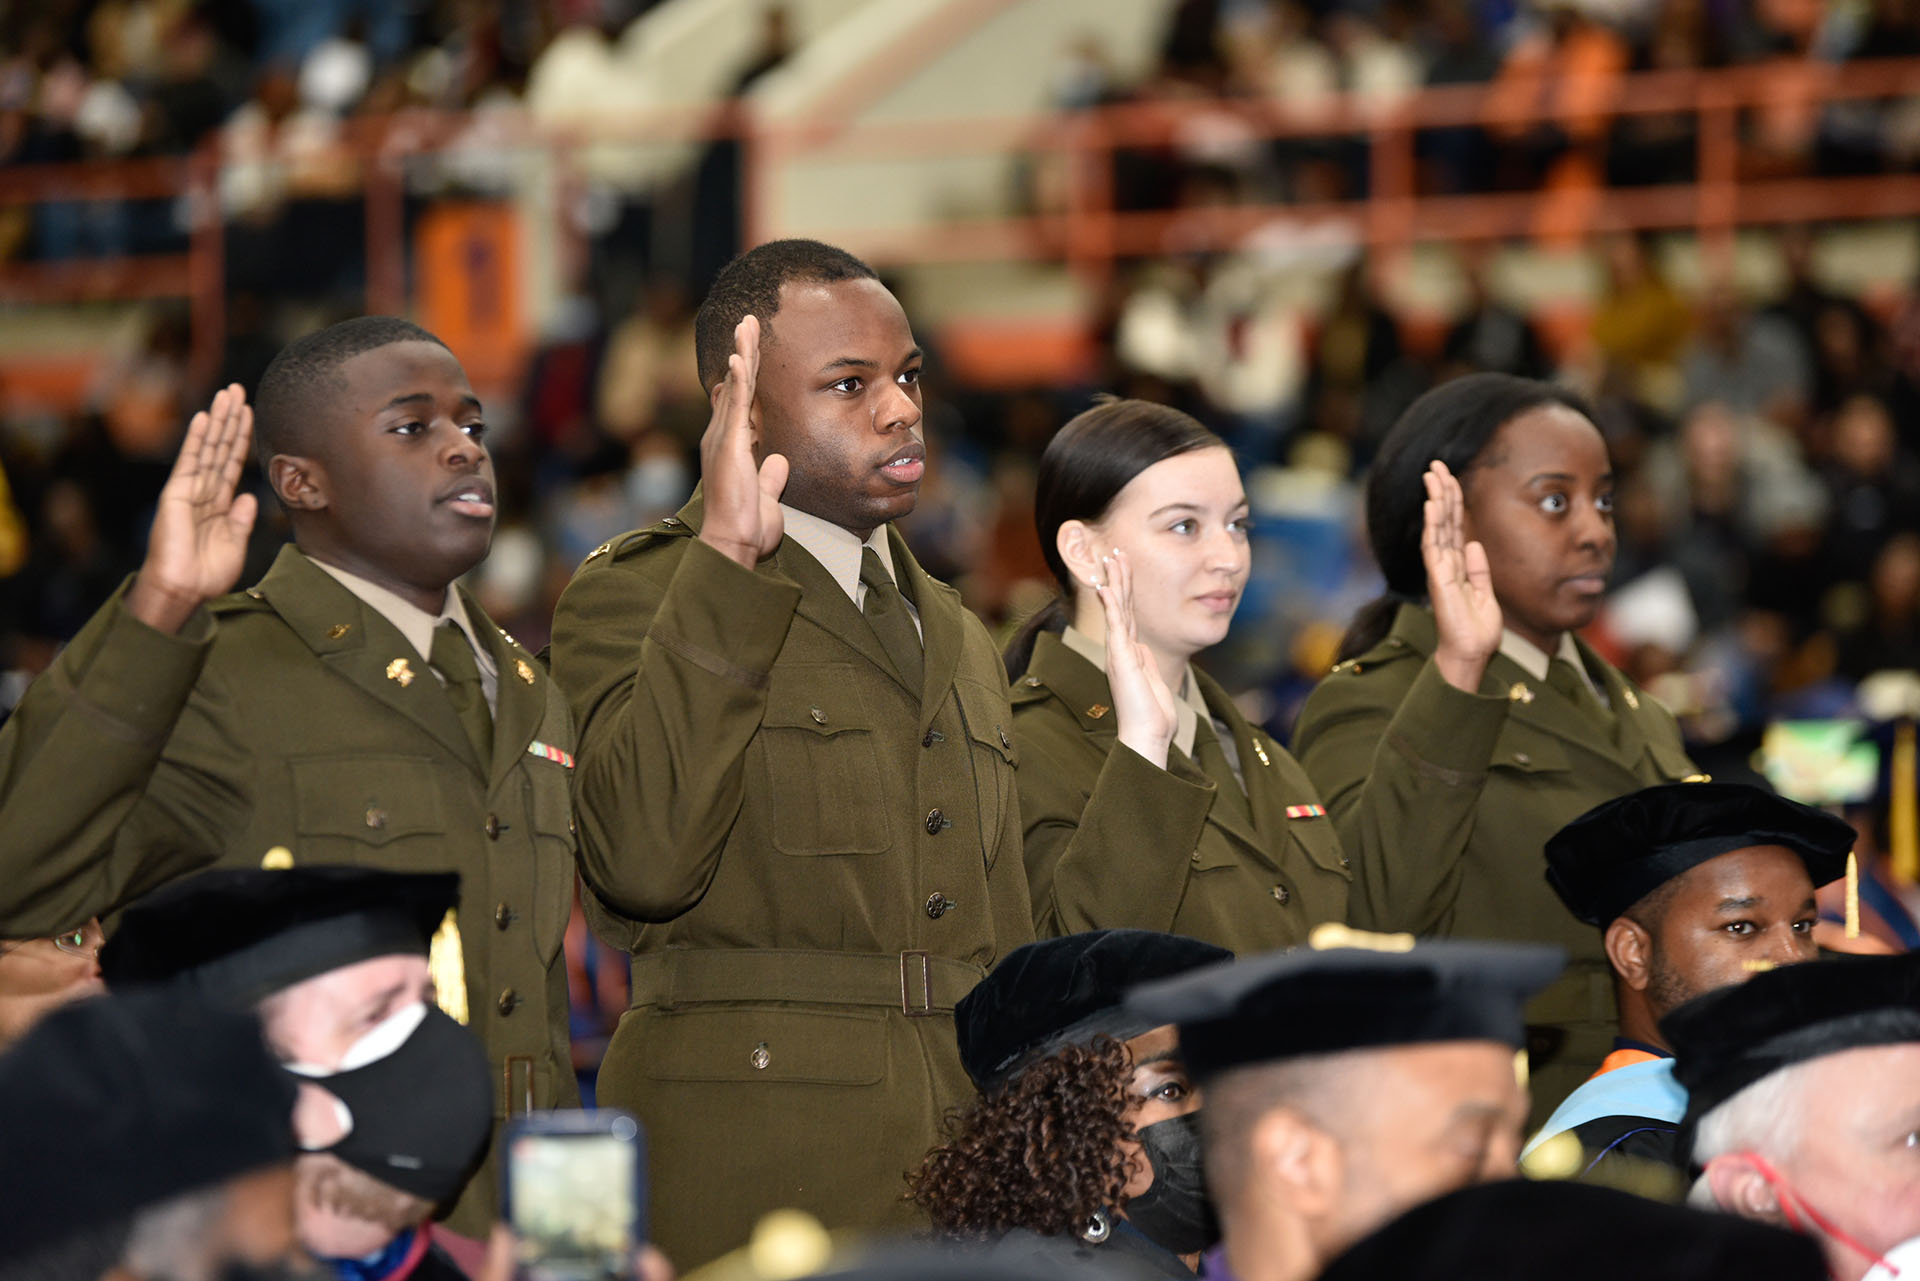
(796, 784)
(352, 707)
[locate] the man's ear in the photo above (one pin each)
(1302, 1163)
(1080, 548)
(1630, 948)
(301, 483)
(1739, 1188)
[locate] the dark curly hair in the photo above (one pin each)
(1041, 1153)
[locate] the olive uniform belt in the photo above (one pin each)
(915, 983)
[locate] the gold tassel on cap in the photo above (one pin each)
(1853, 896)
(448, 968)
(1903, 814)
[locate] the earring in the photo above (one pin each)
(1098, 1228)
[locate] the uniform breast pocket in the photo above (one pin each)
(825, 793)
(364, 800)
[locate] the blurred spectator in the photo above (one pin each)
(1751, 363)
(1490, 335)
(1640, 325)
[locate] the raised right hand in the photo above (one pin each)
(742, 502)
(198, 544)
(1143, 710)
(1459, 583)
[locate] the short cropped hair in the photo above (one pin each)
(1318, 1086)
(307, 371)
(750, 286)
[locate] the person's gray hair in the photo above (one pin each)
(1766, 1118)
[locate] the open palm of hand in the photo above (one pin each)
(198, 544)
(1143, 707)
(1466, 613)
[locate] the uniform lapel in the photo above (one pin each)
(940, 622)
(519, 702)
(360, 646)
(1079, 684)
(1268, 806)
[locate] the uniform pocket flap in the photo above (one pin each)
(371, 799)
(825, 703)
(767, 1043)
(989, 718)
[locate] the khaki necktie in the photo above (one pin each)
(1212, 760)
(886, 611)
(1562, 676)
(453, 658)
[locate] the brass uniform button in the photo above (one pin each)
(938, 905)
(1521, 758)
(492, 827)
(1195, 856)
(819, 717)
(1004, 740)
(509, 1002)
(376, 817)
(936, 822)
(760, 1057)
(1280, 895)
(933, 736)
(503, 916)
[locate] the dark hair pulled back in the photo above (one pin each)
(1453, 423)
(1084, 468)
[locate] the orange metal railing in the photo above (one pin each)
(1089, 233)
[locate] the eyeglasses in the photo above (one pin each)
(84, 941)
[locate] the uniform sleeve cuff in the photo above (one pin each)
(726, 618)
(1178, 799)
(137, 675)
(1445, 730)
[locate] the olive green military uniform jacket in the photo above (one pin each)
(810, 861)
(1113, 840)
(1445, 800)
(294, 717)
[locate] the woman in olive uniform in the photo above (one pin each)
(1148, 800)
(1465, 723)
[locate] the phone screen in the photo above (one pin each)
(573, 1202)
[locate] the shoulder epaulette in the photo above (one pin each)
(638, 540)
(243, 602)
(1385, 652)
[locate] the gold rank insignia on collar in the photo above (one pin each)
(1097, 710)
(400, 670)
(1260, 751)
(338, 630)
(1633, 700)
(1518, 692)
(522, 670)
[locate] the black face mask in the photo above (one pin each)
(1175, 1213)
(422, 1113)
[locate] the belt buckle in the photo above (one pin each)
(907, 1006)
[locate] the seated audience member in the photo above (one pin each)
(1695, 886)
(39, 975)
(335, 960)
(1803, 1105)
(146, 1138)
(1516, 1230)
(1348, 1081)
(1084, 1141)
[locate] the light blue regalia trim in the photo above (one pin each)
(1639, 1089)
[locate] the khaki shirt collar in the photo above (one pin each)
(416, 624)
(1535, 661)
(837, 550)
(1188, 704)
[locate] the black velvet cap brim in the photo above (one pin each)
(1065, 991)
(1572, 1232)
(1624, 849)
(121, 1102)
(235, 935)
(1286, 1004)
(1729, 1039)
